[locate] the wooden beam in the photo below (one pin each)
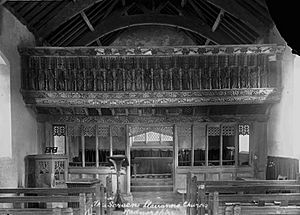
(218, 20)
(125, 9)
(232, 7)
(198, 10)
(183, 3)
(99, 42)
(109, 10)
(70, 10)
(87, 21)
(161, 6)
(143, 8)
(216, 24)
(3, 1)
(114, 23)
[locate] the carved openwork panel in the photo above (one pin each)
(213, 131)
(228, 130)
(43, 167)
(89, 130)
(185, 131)
(73, 130)
(103, 131)
(244, 129)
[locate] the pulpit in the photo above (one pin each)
(47, 170)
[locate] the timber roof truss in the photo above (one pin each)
(99, 22)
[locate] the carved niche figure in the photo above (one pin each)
(225, 78)
(60, 77)
(263, 77)
(176, 78)
(156, 78)
(185, 77)
(70, 79)
(110, 80)
(51, 79)
(196, 73)
(42, 79)
(205, 83)
(253, 77)
(100, 76)
(129, 78)
(244, 77)
(167, 78)
(119, 79)
(80, 80)
(215, 78)
(32, 79)
(234, 77)
(139, 78)
(148, 78)
(89, 80)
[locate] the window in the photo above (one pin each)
(244, 133)
(59, 138)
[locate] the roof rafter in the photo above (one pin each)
(69, 11)
(232, 7)
(117, 22)
(216, 24)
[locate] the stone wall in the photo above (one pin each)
(21, 136)
(280, 127)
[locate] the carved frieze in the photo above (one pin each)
(76, 121)
(143, 99)
(153, 51)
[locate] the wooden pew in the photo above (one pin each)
(243, 197)
(87, 198)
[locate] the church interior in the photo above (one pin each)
(126, 101)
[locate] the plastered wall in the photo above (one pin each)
(23, 129)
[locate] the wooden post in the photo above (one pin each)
(110, 142)
(201, 199)
(128, 157)
(102, 200)
(97, 149)
(180, 78)
(193, 145)
(215, 205)
(83, 150)
(98, 199)
(82, 205)
(175, 148)
(109, 193)
(193, 195)
(161, 80)
(89, 203)
(188, 185)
